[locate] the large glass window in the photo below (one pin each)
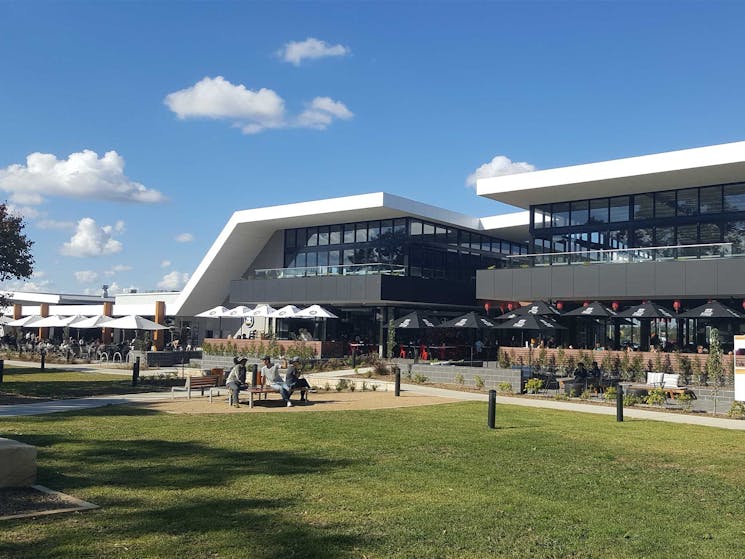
(599, 210)
(373, 232)
(644, 237)
(335, 235)
(311, 236)
(360, 234)
(580, 212)
(710, 233)
(349, 233)
(643, 206)
(560, 215)
(664, 204)
(416, 227)
(619, 209)
(711, 200)
(541, 213)
(290, 238)
(734, 233)
(688, 201)
(734, 197)
(665, 237)
(323, 236)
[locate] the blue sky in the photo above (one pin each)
(207, 111)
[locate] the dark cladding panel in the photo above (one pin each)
(586, 280)
(562, 282)
(639, 279)
(540, 284)
(521, 284)
(669, 279)
(486, 285)
(730, 277)
(611, 281)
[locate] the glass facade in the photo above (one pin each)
(688, 216)
(416, 247)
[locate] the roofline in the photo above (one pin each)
(700, 166)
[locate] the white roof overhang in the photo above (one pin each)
(709, 165)
(247, 231)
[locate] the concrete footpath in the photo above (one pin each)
(17, 410)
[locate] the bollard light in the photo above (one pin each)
(492, 409)
(135, 371)
(619, 403)
(397, 390)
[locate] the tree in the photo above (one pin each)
(16, 261)
(714, 364)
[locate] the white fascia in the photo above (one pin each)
(247, 232)
(708, 165)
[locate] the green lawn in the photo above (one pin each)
(415, 482)
(20, 382)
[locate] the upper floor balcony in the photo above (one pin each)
(374, 268)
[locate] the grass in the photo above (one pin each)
(29, 383)
(415, 482)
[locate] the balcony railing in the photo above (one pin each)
(375, 268)
(621, 256)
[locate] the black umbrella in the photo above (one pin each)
(593, 310)
(647, 310)
(712, 309)
(530, 322)
(414, 320)
(538, 308)
(469, 320)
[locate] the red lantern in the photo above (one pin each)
(559, 305)
(486, 307)
(615, 305)
(743, 304)
(676, 305)
(501, 308)
(586, 303)
(510, 306)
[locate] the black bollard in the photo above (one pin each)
(397, 390)
(354, 358)
(619, 403)
(2, 366)
(492, 408)
(43, 358)
(255, 380)
(135, 371)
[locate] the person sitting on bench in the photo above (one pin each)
(275, 380)
(293, 380)
(236, 379)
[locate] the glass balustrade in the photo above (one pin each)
(346, 270)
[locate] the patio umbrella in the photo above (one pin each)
(538, 308)
(57, 321)
(712, 309)
(97, 321)
(288, 311)
(415, 320)
(26, 321)
(647, 310)
(134, 322)
(215, 312)
(240, 311)
(469, 320)
(530, 322)
(315, 311)
(593, 310)
(5, 319)
(264, 311)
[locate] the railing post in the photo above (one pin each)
(619, 402)
(492, 408)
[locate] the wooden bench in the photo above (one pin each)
(667, 382)
(208, 382)
(262, 389)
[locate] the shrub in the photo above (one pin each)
(342, 384)
(737, 410)
(610, 394)
(585, 395)
(685, 367)
(479, 382)
(380, 367)
(504, 359)
(420, 379)
(352, 386)
(533, 385)
(459, 379)
(373, 387)
(685, 400)
(505, 387)
(607, 363)
(656, 397)
(630, 400)
(637, 366)
(561, 396)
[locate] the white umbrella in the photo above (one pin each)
(264, 311)
(5, 319)
(98, 321)
(288, 311)
(315, 311)
(26, 321)
(134, 322)
(57, 321)
(241, 311)
(215, 312)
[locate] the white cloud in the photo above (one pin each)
(173, 280)
(322, 111)
(33, 286)
(55, 224)
(295, 52)
(86, 276)
(25, 212)
(165, 264)
(114, 289)
(497, 167)
(91, 240)
(251, 111)
(81, 175)
(38, 274)
(184, 238)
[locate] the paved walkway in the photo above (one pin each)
(41, 408)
